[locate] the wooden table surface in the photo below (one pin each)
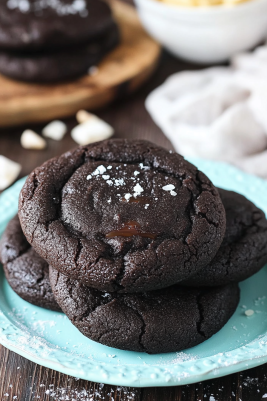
(22, 380)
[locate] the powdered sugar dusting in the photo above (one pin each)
(99, 392)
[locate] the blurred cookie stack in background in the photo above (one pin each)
(54, 40)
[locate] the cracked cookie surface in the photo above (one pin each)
(122, 215)
(26, 272)
(244, 248)
(166, 320)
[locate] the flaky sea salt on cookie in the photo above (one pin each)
(122, 215)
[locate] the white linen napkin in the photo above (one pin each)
(218, 113)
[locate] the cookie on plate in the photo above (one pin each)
(57, 65)
(244, 248)
(122, 215)
(26, 272)
(166, 320)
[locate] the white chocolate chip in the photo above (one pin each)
(92, 130)
(9, 171)
(168, 187)
(30, 140)
(82, 116)
(105, 176)
(249, 312)
(55, 130)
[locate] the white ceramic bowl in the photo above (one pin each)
(205, 34)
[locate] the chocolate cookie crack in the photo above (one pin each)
(143, 328)
(44, 204)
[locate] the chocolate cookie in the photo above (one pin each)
(57, 65)
(166, 320)
(47, 24)
(244, 248)
(26, 272)
(122, 215)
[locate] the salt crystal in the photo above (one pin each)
(31, 140)
(119, 182)
(136, 173)
(9, 171)
(138, 190)
(168, 187)
(127, 196)
(105, 177)
(143, 167)
(99, 170)
(55, 130)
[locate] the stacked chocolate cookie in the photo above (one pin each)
(54, 40)
(144, 253)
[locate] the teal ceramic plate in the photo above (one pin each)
(48, 338)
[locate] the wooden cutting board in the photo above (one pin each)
(121, 72)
